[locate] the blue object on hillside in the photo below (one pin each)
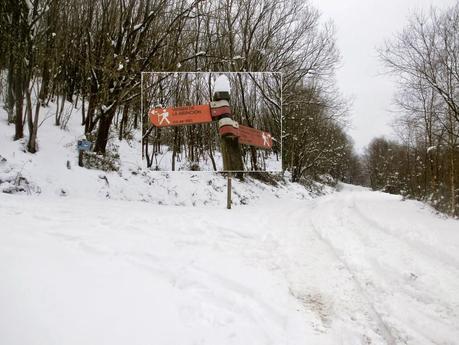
(84, 145)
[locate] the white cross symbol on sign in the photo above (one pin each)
(163, 117)
(265, 138)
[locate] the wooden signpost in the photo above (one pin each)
(205, 113)
(231, 133)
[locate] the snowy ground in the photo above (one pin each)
(353, 267)
(93, 257)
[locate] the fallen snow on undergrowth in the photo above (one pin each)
(54, 171)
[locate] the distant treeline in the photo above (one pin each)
(424, 163)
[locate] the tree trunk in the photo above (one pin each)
(9, 102)
(59, 110)
(453, 183)
(92, 103)
(83, 114)
(18, 72)
(136, 119)
(104, 130)
(19, 125)
(123, 121)
(146, 153)
(174, 148)
(33, 123)
(30, 146)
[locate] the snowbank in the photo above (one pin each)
(352, 268)
(54, 171)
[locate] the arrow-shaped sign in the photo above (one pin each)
(246, 135)
(194, 114)
(178, 116)
(255, 137)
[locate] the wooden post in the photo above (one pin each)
(80, 158)
(231, 150)
(228, 197)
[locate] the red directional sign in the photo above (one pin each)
(255, 137)
(194, 114)
(177, 116)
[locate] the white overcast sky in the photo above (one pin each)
(362, 26)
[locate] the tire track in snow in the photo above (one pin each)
(385, 331)
(349, 286)
(425, 299)
(414, 311)
(418, 247)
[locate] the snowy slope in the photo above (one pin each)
(47, 172)
(93, 257)
(354, 267)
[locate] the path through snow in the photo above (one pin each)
(354, 267)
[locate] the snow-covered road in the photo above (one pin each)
(403, 259)
(354, 267)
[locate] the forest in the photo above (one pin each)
(424, 162)
(94, 52)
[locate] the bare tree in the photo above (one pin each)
(424, 57)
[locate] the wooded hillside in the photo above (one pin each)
(94, 52)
